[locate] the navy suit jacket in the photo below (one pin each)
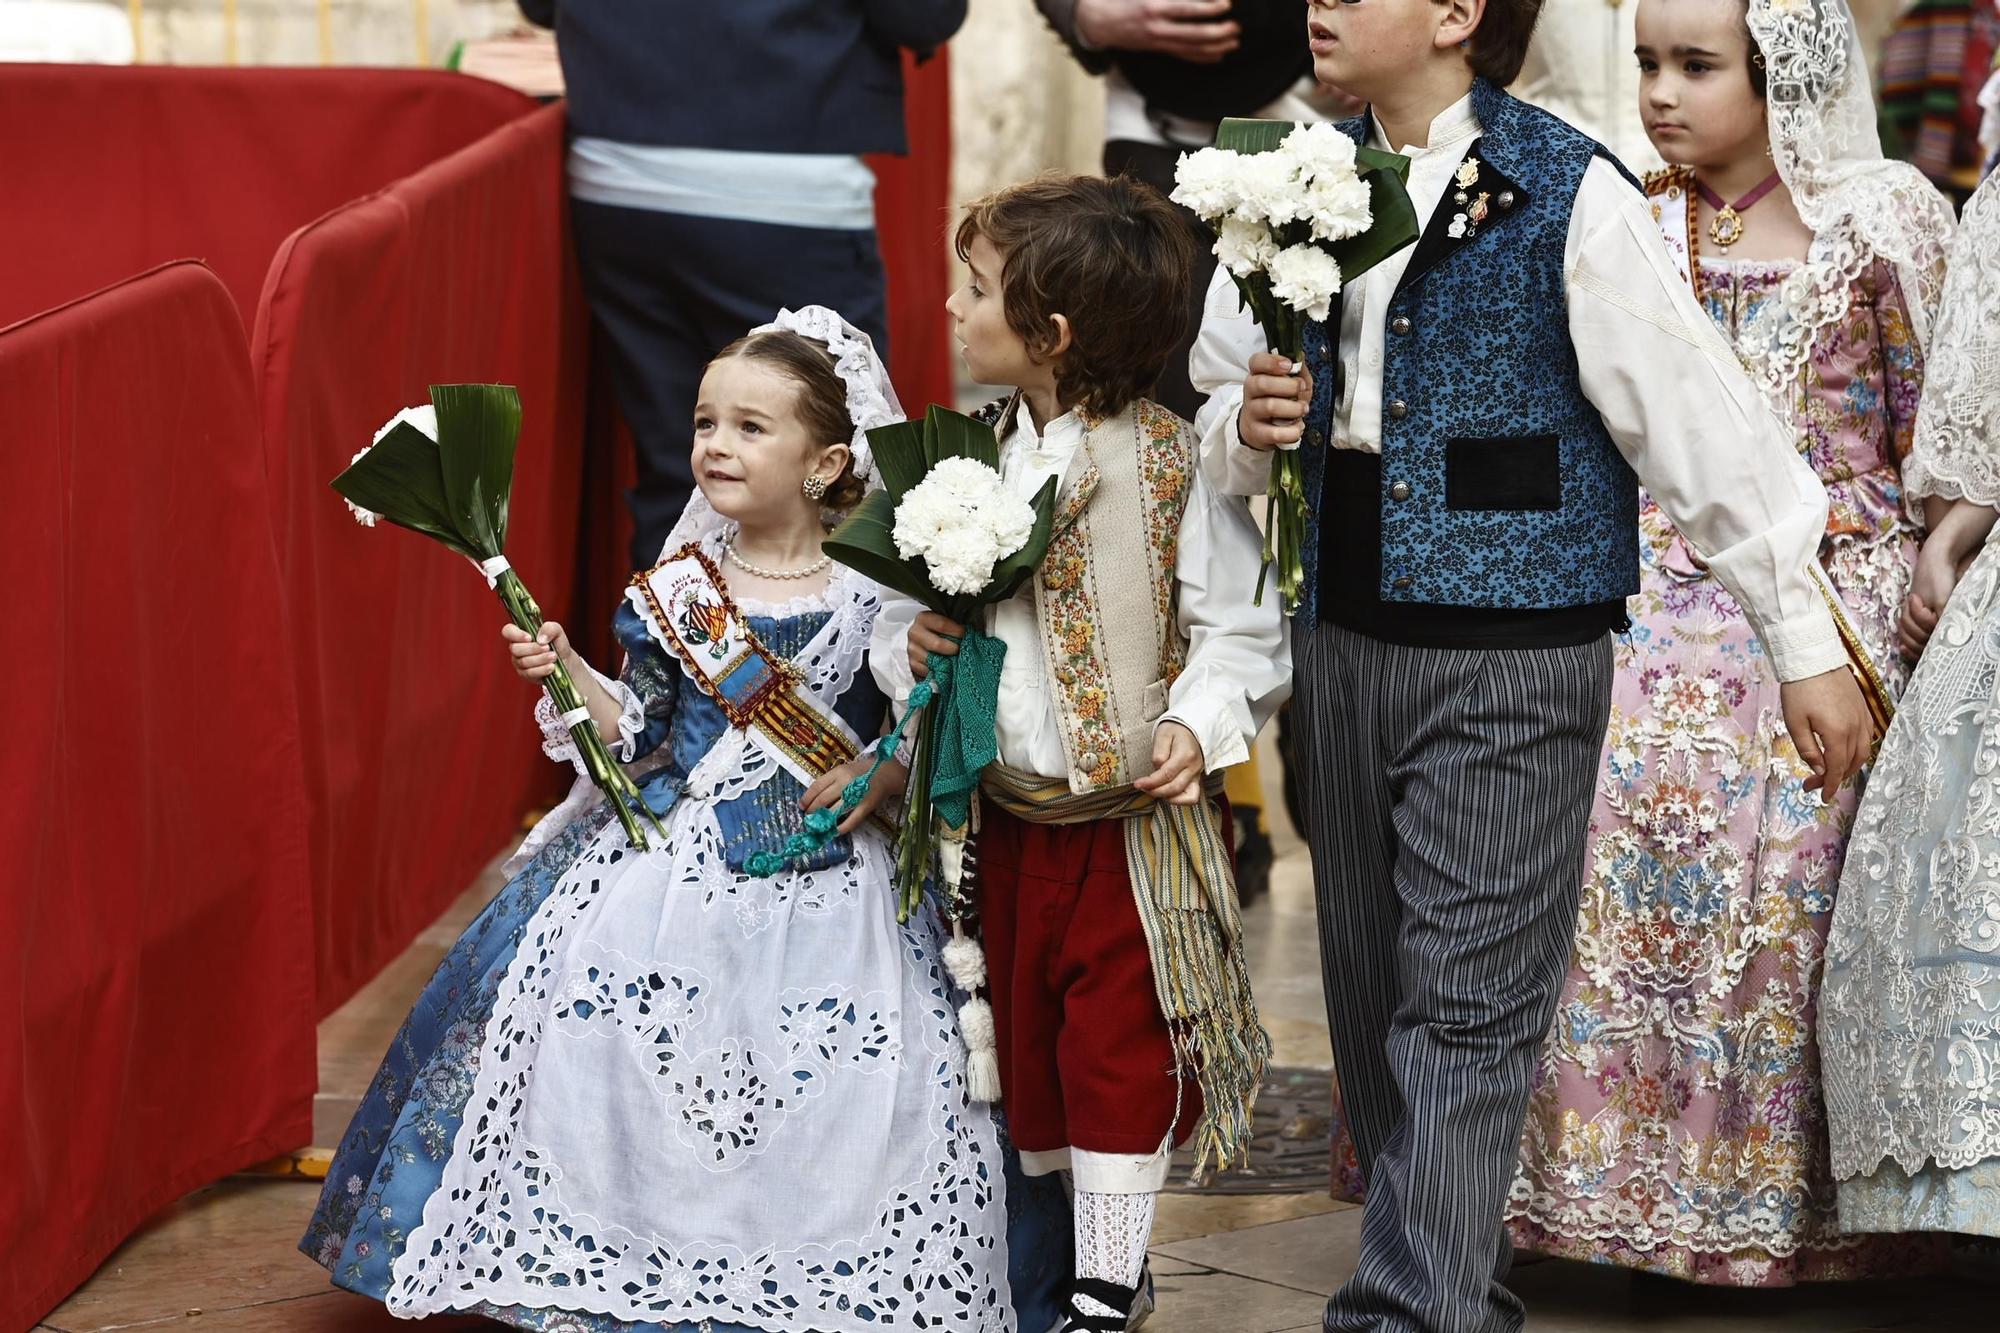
(798, 76)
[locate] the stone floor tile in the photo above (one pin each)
(1310, 1254)
(230, 1244)
(329, 1312)
(1204, 1302)
(1183, 1217)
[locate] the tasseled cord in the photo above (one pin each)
(966, 962)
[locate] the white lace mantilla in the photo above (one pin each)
(1909, 1025)
(1859, 205)
(707, 1096)
(1956, 453)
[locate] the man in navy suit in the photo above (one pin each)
(715, 174)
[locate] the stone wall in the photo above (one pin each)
(295, 32)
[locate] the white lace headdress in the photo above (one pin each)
(871, 402)
(1860, 205)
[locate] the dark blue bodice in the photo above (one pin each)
(688, 723)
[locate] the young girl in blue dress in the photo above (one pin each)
(647, 1091)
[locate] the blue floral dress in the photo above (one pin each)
(646, 1091)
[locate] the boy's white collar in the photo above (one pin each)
(1453, 125)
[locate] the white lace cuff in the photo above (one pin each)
(559, 745)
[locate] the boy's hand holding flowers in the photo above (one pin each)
(932, 633)
(1274, 403)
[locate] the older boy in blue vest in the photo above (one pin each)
(1478, 416)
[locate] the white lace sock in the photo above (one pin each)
(1111, 1235)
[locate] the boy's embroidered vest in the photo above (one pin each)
(1500, 486)
(1111, 639)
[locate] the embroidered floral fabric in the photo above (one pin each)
(631, 1095)
(1676, 1122)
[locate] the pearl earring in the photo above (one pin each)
(815, 488)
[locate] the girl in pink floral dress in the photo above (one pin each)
(1677, 1124)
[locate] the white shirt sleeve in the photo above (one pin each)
(1239, 660)
(889, 649)
(1217, 363)
(1701, 436)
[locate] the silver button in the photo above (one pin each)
(1505, 199)
(1402, 582)
(1398, 410)
(1400, 324)
(1400, 491)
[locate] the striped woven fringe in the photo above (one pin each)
(1184, 883)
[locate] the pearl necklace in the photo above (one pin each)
(805, 572)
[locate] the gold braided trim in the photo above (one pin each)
(1874, 689)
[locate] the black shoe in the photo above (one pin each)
(1119, 1299)
(1253, 857)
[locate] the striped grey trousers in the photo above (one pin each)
(1447, 795)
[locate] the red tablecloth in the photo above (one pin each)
(420, 751)
(156, 1022)
(108, 171)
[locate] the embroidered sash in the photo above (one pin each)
(685, 606)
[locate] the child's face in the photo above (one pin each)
(1694, 83)
(1364, 46)
(993, 352)
(752, 453)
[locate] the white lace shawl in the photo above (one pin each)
(1957, 449)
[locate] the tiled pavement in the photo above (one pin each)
(222, 1260)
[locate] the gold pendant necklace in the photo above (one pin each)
(1726, 227)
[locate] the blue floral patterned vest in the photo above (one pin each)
(1500, 487)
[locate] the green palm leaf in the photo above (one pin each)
(402, 479)
(954, 435)
(900, 456)
(478, 427)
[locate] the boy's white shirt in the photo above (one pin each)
(1702, 438)
(1239, 658)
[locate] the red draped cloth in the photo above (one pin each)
(420, 751)
(912, 217)
(110, 171)
(156, 1023)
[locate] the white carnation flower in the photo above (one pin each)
(424, 418)
(1205, 182)
(1306, 278)
(1337, 207)
(961, 520)
(1267, 189)
(1319, 150)
(1244, 247)
(963, 566)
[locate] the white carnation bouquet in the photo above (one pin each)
(945, 531)
(1297, 210)
(960, 520)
